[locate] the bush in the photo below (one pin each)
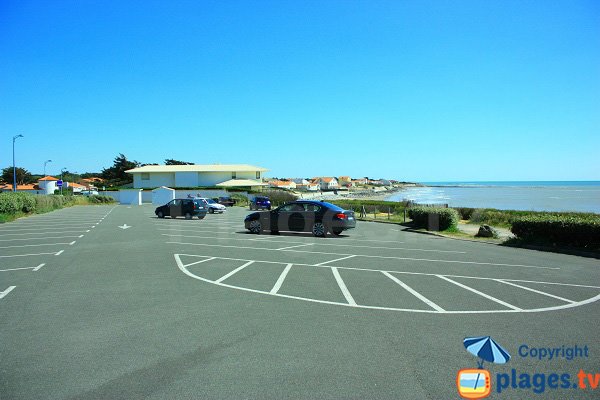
(422, 217)
(14, 202)
(99, 199)
(465, 212)
(371, 206)
(564, 230)
(279, 197)
(240, 200)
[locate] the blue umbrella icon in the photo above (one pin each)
(486, 349)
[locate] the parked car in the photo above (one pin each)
(260, 203)
(227, 201)
(212, 205)
(187, 208)
(318, 217)
(89, 192)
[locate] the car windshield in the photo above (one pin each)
(210, 201)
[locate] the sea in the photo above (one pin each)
(580, 196)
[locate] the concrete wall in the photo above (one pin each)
(130, 197)
(186, 179)
(157, 179)
(162, 195)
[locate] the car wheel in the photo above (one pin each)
(319, 230)
(255, 226)
(188, 216)
(173, 216)
(211, 210)
(337, 231)
(160, 214)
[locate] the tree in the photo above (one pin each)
(116, 175)
(23, 176)
(169, 161)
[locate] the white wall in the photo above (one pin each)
(132, 197)
(162, 195)
(186, 179)
(157, 179)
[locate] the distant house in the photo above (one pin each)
(176, 176)
(346, 181)
(327, 183)
(360, 181)
(76, 187)
(300, 181)
(283, 184)
(28, 188)
(91, 183)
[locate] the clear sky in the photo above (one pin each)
(410, 90)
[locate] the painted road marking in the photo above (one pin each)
(281, 279)
(200, 262)
(18, 229)
(235, 271)
(337, 259)
(14, 269)
(182, 267)
(33, 245)
(38, 233)
(535, 291)
(414, 292)
(274, 240)
(26, 255)
(296, 236)
(291, 247)
(59, 253)
(364, 255)
(7, 291)
(124, 226)
(38, 267)
(42, 238)
(487, 296)
(343, 287)
(72, 243)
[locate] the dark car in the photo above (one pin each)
(226, 201)
(260, 203)
(187, 208)
(317, 217)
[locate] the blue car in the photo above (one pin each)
(260, 203)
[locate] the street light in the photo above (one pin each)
(63, 169)
(14, 168)
(46, 162)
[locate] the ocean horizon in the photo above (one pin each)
(579, 196)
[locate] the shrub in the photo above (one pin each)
(426, 217)
(564, 230)
(240, 199)
(14, 202)
(279, 197)
(465, 212)
(99, 199)
(371, 206)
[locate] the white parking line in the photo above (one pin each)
(235, 271)
(26, 255)
(38, 229)
(535, 291)
(7, 291)
(291, 247)
(364, 255)
(281, 279)
(414, 292)
(321, 243)
(487, 296)
(33, 245)
(343, 287)
(38, 267)
(38, 233)
(41, 238)
(337, 259)
(59, 253)
(14, 269)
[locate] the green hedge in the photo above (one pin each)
(371, 206)
(564, 230)
(12, 203)
(447, 217)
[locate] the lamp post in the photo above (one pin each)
(46, 162)
(61, 178)
(15, 168)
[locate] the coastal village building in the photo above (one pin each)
(283, 184)
(327, 183)
(196, 175)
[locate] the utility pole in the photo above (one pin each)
(15, 168)
(46, 162)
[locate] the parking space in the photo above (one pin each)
(415, 277)
(29, 244)
(116, 303)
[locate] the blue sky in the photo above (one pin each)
(411, 90)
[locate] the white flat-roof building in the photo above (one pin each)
(178, 176)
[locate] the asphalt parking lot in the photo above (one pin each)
(105, 302)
